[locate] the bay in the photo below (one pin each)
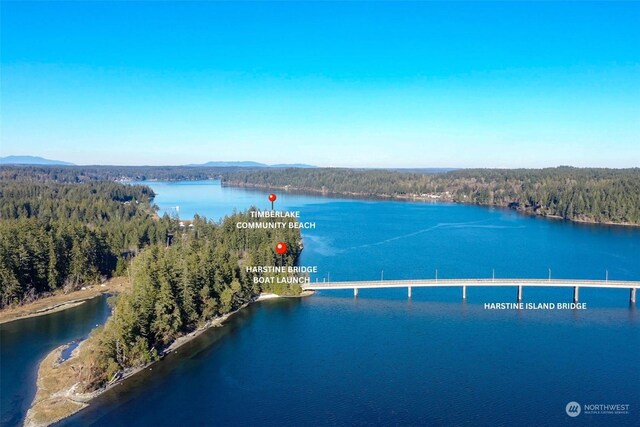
(382, 359)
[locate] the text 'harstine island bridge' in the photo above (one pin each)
(465, 283)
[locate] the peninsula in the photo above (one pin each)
(176, 293)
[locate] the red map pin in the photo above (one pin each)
(272, 198)
(281, 248)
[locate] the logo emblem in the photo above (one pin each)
(573, 409)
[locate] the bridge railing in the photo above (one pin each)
(576, 284)
(479, 281)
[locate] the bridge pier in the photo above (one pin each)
(519, 293)
(409, 291)
(575, 294)
(355, 292)
(464, 292)
(632, 296)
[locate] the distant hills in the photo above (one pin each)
(36, 160)
(31, 160)
(254, 165)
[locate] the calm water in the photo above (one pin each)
(382, 359)
(24, 343)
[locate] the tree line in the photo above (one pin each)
(593, 195)
(577, 194)
(79, 174)
(62, 236)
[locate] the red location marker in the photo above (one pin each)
(281, 248)
(272, 198)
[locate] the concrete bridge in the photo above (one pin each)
(466, 283)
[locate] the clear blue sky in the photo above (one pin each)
(399, 84)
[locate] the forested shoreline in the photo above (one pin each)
(593, 195)
(59, 236)
(66, 227)
(588, 195)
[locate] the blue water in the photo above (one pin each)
(382, 359)
(24, 343)
(67, 352)
(365, 240)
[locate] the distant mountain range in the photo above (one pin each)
(31, 160)
(254, 165)
(35, 160)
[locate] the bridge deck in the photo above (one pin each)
(615, 284)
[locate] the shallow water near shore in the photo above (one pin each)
(24, 343)
(330, 359)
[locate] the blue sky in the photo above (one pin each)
(403, 84)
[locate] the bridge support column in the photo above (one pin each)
(519, 293)
(632, 296)
(464, 291)
(409, 291)
(355, 292)
(575, 293)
